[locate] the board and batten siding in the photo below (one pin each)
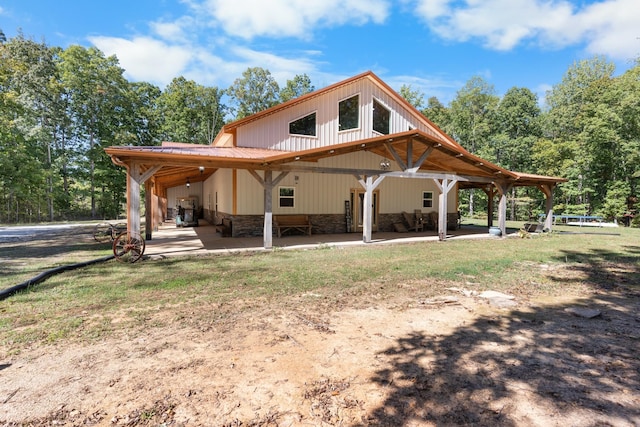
(182, 192)
(220, 183)
(317, 193)
(272, 131)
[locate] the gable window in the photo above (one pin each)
(304, 126)
(286, 196)
(381, 115)
(349, 113)
(427, 199)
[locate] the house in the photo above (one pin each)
(351, 157)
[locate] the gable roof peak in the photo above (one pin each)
(229, 128)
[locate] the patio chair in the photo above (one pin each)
(411, 222)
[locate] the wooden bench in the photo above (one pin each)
(224, 228)
(285, 223)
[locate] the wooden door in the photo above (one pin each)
(357, 210)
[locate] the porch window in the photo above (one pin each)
(427, 199)
(304, 126)
(349, 113)
(381, 115)
(286, 196)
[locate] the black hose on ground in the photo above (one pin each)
(6, 293)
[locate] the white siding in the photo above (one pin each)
(219, 184)
(181, 192)
(273, 131)
(317, 193)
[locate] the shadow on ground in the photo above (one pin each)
(568, 370)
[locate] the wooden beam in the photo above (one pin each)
(268, 210)
(369, 185)
(445, 185)
(395, 155)
(503, 188)
(547, 189)
(267, 184)
(149, 173)
(148, 209)
(133, 198)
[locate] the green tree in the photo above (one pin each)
(99, 102)
(414, 96)
(190, 112)
(255, 91)
(518, 125)
(296, 87)
(145, 118)
(580, 120)
(615, 204)
(438, 114)
(473, 117)
(27, 103)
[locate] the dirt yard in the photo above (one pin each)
(457, 359)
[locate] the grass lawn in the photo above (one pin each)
(111, 297)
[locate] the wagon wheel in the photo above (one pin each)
(102, 232)
(128, 247)
(120, 227)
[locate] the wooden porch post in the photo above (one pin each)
(490, 195)
(445, 185)
(367, 222)
(157, 211)
(268, 183)
(133, 198)
(369, 185)
(503, 189)
(547, 189)
(149, 210)
(268, 209)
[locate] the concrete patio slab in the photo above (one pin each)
(170, 240)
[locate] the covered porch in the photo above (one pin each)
(409, 155)
(170, 241)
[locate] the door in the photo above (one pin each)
(357, 210)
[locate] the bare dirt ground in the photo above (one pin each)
(370, 360)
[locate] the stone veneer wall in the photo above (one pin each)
(252, 225)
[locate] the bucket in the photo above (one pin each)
(495, 231)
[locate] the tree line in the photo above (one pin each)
(59, 109)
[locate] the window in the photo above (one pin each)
(381, 116)
(427, 199)
(349, 113)
(304, 126)
(286, 196)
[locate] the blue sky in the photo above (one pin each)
(435, 46)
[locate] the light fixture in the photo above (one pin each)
(201, 169)
(385, 164)
(188, 183)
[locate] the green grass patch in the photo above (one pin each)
(111, 298)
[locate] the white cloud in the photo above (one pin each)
(174, 31)
(612, 28)
(605, 27)
(146, 59)
(292, 18)
(159, 62)
(429, 86)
